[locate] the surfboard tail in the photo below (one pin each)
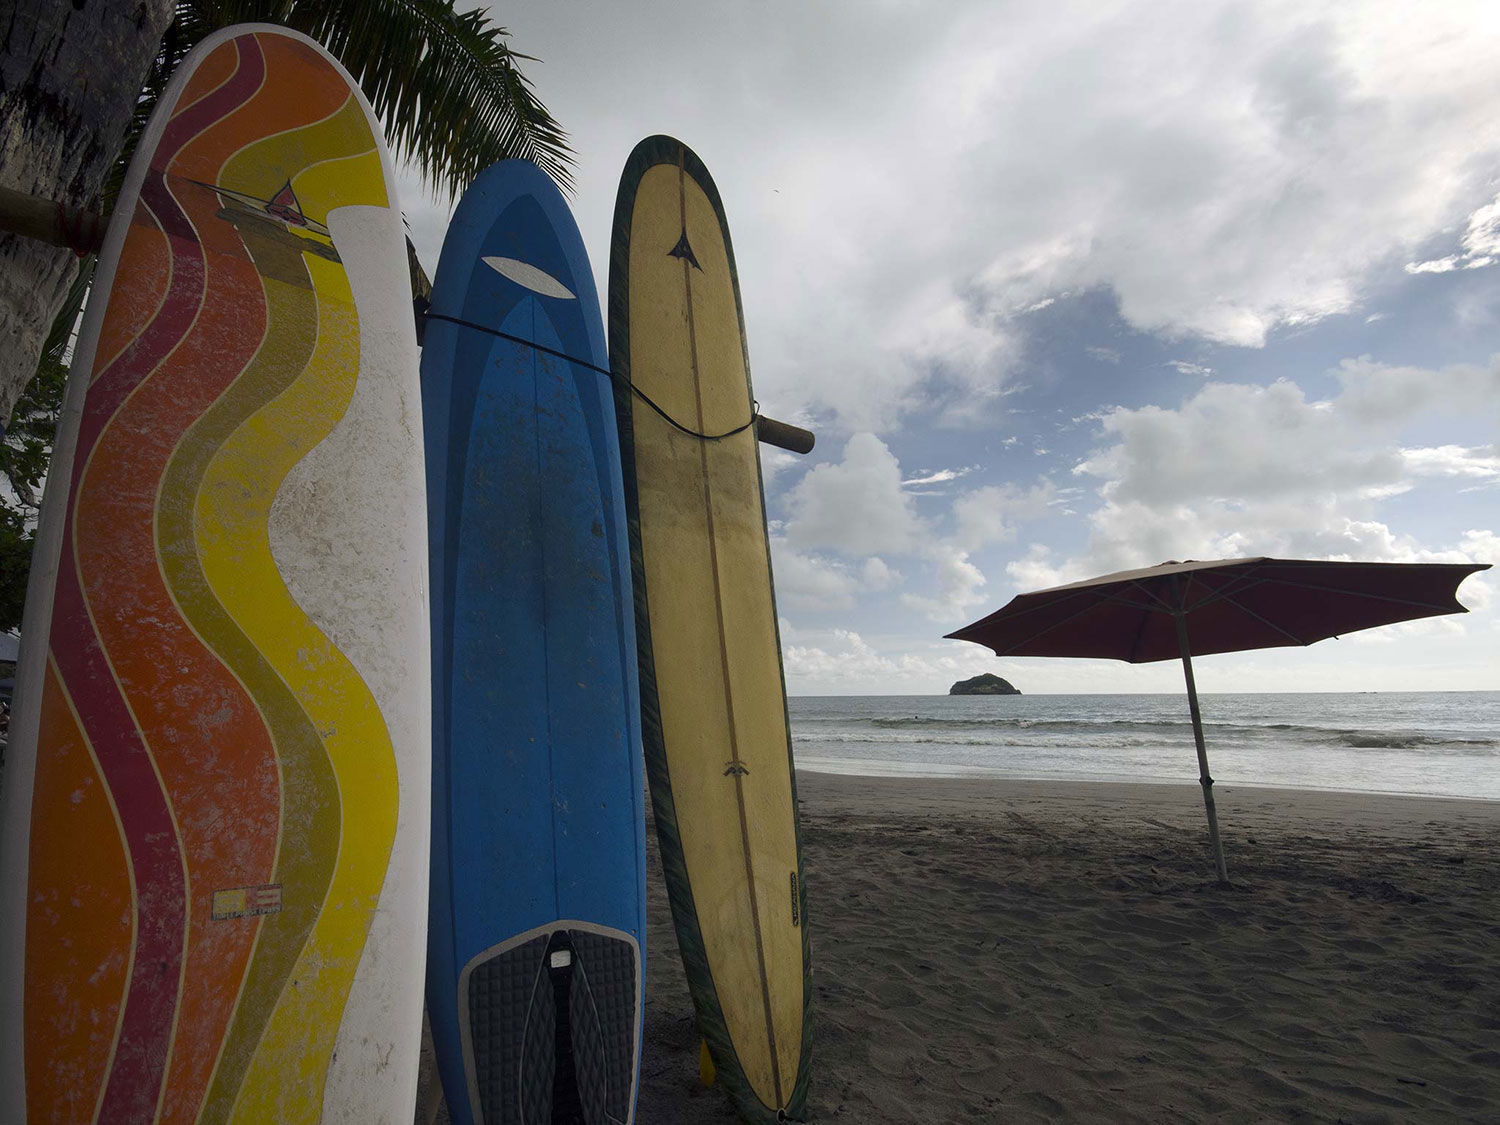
(549, 1022)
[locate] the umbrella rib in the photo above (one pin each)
(1359, 594)
(1089, 604)
(1240, 582)
(1043, 632)
(1165, 606)
(1154, 603)
(1248, 612)
(1228, 590)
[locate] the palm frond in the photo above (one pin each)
(60, 336)
(446, 85)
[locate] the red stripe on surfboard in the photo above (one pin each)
(134, 1084)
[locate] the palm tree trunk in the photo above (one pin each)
(70, 73)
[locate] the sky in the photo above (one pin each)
(1068, 288)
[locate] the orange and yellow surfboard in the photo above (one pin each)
(213, 828)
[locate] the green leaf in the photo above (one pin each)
(445, 84)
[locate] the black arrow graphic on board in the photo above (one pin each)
(684, 250)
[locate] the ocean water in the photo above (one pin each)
(1434, 743)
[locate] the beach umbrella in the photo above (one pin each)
(1179, 609)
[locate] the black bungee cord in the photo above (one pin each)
(640, 394)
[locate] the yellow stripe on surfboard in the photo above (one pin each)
(284, 1079)
(713, 629)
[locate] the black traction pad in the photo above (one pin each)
(555, 1046)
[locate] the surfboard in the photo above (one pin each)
(713, 700)
(534, 986)
(216, 796)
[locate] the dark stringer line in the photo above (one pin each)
(640, 394)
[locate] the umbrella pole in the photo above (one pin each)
(1203, 775)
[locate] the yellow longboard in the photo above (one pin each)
(713, 700)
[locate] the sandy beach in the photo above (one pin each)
(989, 950)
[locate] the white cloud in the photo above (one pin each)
(1237, 441)
(842, 511)
(1183, 367)
(1224, 168)
(1243, 469)
(1481, 243)
(1207, 191)
(1036, 570)
(809, 582)
(774, 462)
(990, 514)
(1436, 265)
(838, 661)
(939, 476)
(1388, 393)
(858, 507)
(821, 583)
(877, 575)
(957, 586)
(1477, 462)
(855, 505)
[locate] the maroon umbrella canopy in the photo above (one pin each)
(1178, 609)
(1228, 605)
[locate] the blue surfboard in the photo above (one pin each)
(537, 916)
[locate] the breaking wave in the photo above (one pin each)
(1001, 732)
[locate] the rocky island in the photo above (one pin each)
(985, 684)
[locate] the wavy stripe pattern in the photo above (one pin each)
(202, 741)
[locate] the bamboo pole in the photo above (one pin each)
(76, 228)
(82, 231)
(784, 435)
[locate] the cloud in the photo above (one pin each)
(1481, 463)
(1436, 265)
(842, 660)
(811, 583)
(1225, 169)
(1242, 469)
(1375, 393)
(856, 505)
(845, 514)
(990, 514)
(1036, 570)
(774, 462)
(876, 575)
(1481, 244)
(1207, 192)
(957, 586)
(939, 476)
(1183, 367)
(819, 583)
(1237, 441)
